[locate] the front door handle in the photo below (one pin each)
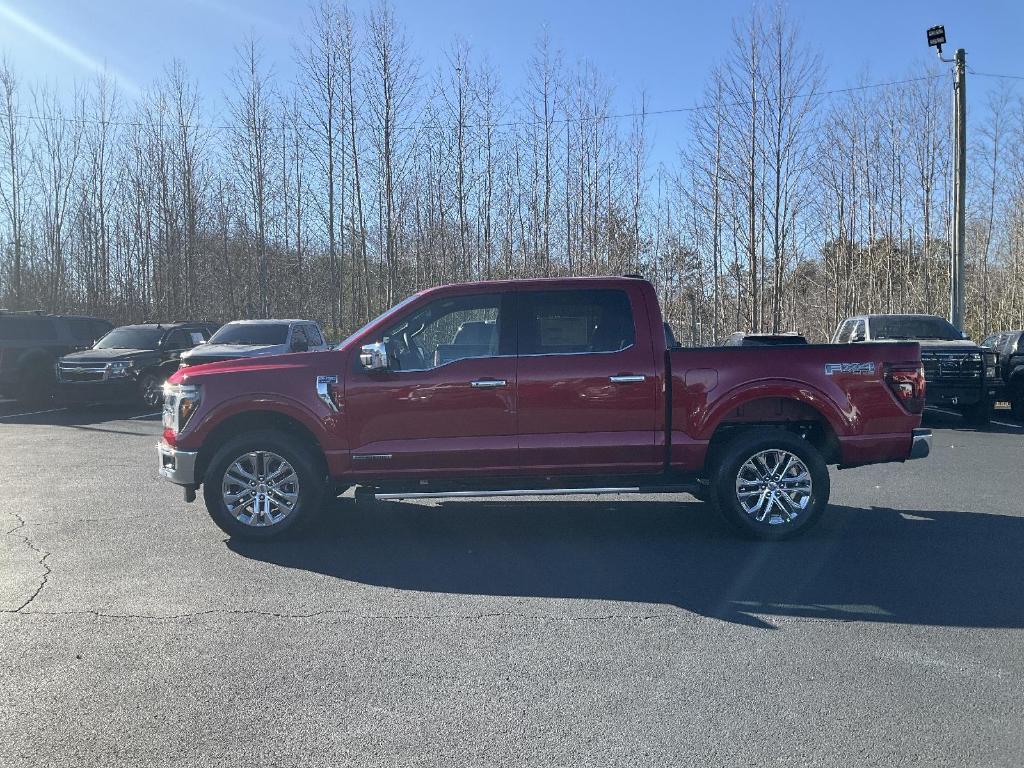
(488, 383)
(626, 379)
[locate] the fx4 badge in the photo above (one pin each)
(858, 369)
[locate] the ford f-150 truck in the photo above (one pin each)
(528, 387)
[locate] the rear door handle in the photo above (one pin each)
(488, 383)
(630, 379)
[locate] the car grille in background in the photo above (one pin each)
(82, 371)
(951, 366)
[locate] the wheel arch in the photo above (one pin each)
(257, 419)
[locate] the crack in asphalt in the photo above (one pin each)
(42, 561)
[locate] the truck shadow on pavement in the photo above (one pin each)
(875, 564)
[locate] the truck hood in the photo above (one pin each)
(108, 355)
(935, 345)
(261, 366)
(211, 352)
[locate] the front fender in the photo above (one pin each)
(321, 426)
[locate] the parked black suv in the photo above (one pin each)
(1009, 346)
(130, 363)
(31, 343)
(959, 374)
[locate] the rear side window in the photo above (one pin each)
(843, 335)
(26, 328)
(315, 339)
(575, 322)
(86, 329)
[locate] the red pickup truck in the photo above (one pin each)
(532, 387)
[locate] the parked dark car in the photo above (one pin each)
(129, 364)
(959, 373)
(741, 339)
(1009, 346)
(32, 342)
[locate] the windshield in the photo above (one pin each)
(911, 327)
(378, 318)
(251, 333)
(131, 338)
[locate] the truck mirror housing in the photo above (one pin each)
(374, 357)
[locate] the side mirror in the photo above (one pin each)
(964, 335)
(374, 357)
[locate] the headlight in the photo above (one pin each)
(180, 403)
(119, 369)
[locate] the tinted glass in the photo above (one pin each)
(575, 322)
(251, 333)
(178, 339)
(315, 339)
(131, 337)
(911, 327)
(85, 329)
(843, 335)
(444, 331)
(26, 328)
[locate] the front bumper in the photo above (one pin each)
(105, 390)
(922, 444)
(958, 394)
(178, 466)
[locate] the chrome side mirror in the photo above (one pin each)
(374, 357)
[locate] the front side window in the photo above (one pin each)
(575, 322)
(178, 339)
(843, 334)
(315, 339)
(445, 330)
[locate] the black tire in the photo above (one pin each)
(310, 490)
(36, 384)
(979, 414)
(151, 390)
(784, 520)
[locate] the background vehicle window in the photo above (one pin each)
(26, 328)
(859, 331)
(85, 329)
(574, 322)
(843, 335)
(444, 331)
(178, 339)
(315, 339)
(251, 333)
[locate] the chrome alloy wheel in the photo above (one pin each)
(774, 486)
(260, 488)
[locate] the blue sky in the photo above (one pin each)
(666, 47)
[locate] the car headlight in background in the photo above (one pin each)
(990, 365)
(119, 369)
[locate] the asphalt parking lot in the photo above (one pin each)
(613, 631)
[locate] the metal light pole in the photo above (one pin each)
(936, 38)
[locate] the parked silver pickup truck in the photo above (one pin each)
(256, 338)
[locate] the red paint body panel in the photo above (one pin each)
(558, 413)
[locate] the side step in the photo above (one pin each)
(395, 496)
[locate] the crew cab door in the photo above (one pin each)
(587, 393)
(445, 405)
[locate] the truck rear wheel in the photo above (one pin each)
(262, 484)
(770, 484)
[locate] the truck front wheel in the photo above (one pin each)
(261, 484)
(770, 484)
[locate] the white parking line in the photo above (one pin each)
(145, 415)
(954, 413)
(32, 413)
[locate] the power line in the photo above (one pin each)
(996, 76)
(517, 123)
